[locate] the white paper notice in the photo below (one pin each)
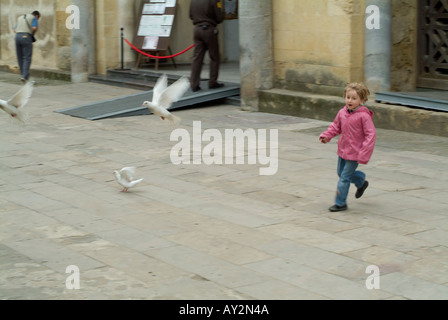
(170, 3)
(165, 31)
(150, 43)
(167, 20)
(156, 8)
(150, 25)
(146, 9)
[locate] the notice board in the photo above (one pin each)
(156, 18)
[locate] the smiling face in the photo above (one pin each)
(352, 99)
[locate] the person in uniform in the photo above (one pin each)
(25, 29)
(206, 15)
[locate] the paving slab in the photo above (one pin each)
(204, 232)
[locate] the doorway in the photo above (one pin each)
(433, 44)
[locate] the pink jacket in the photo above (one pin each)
(358, 134)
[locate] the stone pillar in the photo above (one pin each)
(83, 45)
(378, 45)
(256, 52)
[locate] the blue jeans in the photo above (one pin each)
(347, 174)
(24, 50)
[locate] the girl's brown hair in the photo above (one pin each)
(360, 88)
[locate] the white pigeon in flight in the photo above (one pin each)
(163, 97)
(125, 177)
(14, 106)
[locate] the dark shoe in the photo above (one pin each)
(216, 85)
(337, 208)
(196, 89)
(361, 190)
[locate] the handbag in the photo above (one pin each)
(32, 35)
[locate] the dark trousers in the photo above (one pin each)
(205, 40)
(24, 50)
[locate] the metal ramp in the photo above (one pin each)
(132, 105)
(436, 100)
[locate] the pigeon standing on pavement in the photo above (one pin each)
(14, 106)
(125, 177)
(164, 96)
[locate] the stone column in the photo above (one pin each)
(378, 45)
(83, 44)
(256, 52)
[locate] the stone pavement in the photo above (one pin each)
(210, 232)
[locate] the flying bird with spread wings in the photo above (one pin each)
(14, 106)
(164, 96)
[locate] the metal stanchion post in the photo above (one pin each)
(122, 50)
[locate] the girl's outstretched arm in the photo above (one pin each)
(333, 130)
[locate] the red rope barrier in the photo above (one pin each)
(157, 57)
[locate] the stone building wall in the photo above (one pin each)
(404, 45)
(318, 45)
(53, 41)
(107, 35)
(62, 35)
